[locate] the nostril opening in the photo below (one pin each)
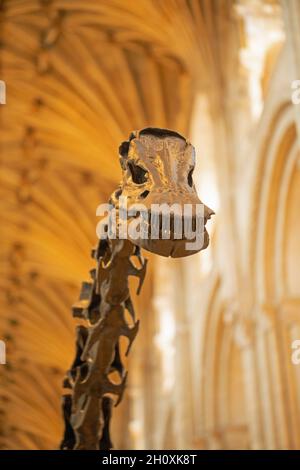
(144, 194)
(118, 193)
(190, 177)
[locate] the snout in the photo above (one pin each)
(177, 241)
(169, 228)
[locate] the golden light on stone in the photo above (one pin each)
(212, 367)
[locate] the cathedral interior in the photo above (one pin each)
(212, 365)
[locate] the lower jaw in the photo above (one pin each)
(173, 248)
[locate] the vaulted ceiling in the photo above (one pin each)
(80, 76)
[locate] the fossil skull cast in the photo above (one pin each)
(163, 213)
(155, 207)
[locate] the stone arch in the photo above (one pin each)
(275, 256)
(271, 181)
(221, 352)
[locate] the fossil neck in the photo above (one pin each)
(87, 403)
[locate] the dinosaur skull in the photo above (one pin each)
(157, 183)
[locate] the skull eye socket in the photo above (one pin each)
(138, 174)
(190, 178)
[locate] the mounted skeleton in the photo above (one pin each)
(157, 167)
